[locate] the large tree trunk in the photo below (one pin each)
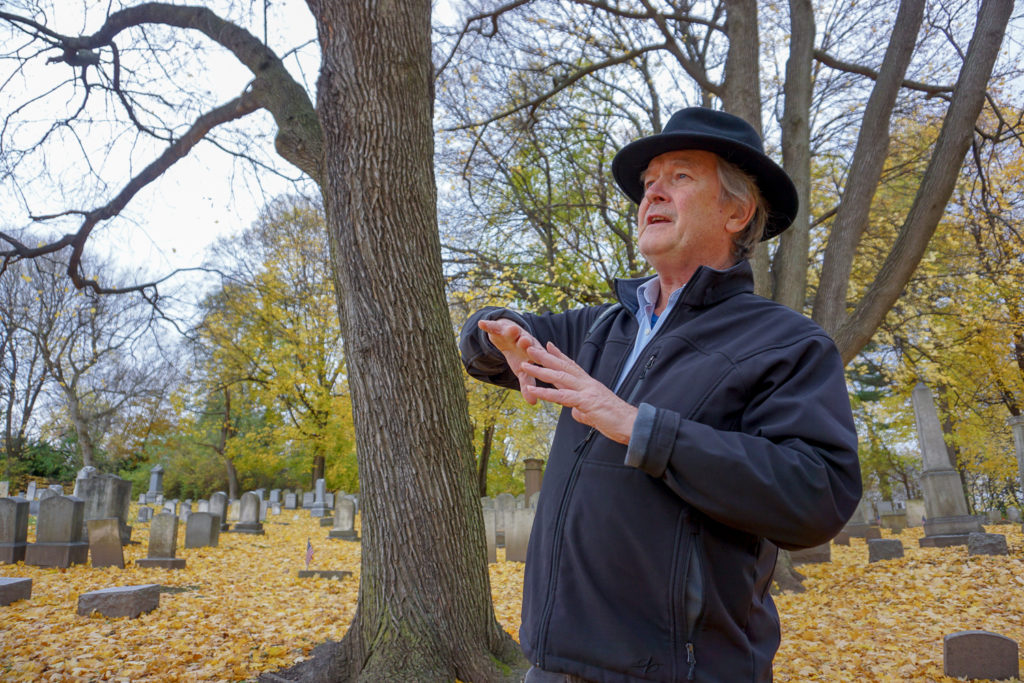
(85, 445)
(789, 268)
(425, 610)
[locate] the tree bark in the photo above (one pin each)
(485, 458)
(789, 270)
(865, 169)
(936, 185)
(425, 608)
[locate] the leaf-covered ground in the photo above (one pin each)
(239, 609)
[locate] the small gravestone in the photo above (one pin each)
(517, 534)
(163, 543)
(202, 530)
(105, 543)
(337, 575)
(30, 493)
(308, 498)
(492, 548)
(120, 601)
(872, 533)
(14, 588)
(203, 506)
(145, 514)
(1013, 514)
(818, 554)
(275, 495)
(980, 655)
(986, 544)
(249, 515)
(289, 501)
(842, 538)
(884, 549)
(59, 534)
(13, 529)
(344, 521)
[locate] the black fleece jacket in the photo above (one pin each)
(654, 562)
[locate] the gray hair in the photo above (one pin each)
(740, 186)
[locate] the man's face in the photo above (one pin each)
(682, 222)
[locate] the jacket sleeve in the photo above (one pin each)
(483, 361)
(789, 472)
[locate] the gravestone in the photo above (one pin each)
(86, 472)
(986, 544)
(156, 483)
(1017, 427)
(264, 508)
(946, 520)
(533, 499)
(814, 555)
(203, 506)
(333, 574)
(202, 530)
(144, 515)
(504, 505)
(260, 493)
(308, 498)
(163, 543)
(105, 496)
(14, 588)
(219, 507)
(105, 543)
(5, 489)
(517, 534)
(489, 534)
(1013, 514)
(344, 521)
(30, 494)
(861, 524)
(120, 601)
(290, 501)
(915, 512)
(884, 549)
(980, 655)
(533, 474)
(13, 529)
(275, 495)
(249, 515)
(993, 517)
(234, 510)
(896, 521)
(184, 510)
(59, 534)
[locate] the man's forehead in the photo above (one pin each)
(682, 157)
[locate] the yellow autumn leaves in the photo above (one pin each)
(239, 609)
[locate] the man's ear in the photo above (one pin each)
(740, 215)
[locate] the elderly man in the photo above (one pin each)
(703, 427)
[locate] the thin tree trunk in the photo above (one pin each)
(424, 611)
(789, 270)
(485, 457)
(85, 445)
(865, 169)
(937, 184)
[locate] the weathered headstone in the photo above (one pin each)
(980, 655)
(308, 498)
(203, 506)
(333, 574)
(290, 501)
(120, 601)
(59, 534)
(504, 505)
(533, 474)
(105, 543)
(275, 495)
(884, 549)
(86, 472)
(489, 534)
(13, 529)
(915, 512)
(1013, 514)
(144, 515)
(14, 588)
(517, 534)
(946, 520)
(219, 507)
(814, 555)
(344, 521)
(163, 543)
(30, 494)
(862, 522)
(105, 496)
(156, 483)
(986, 544)
(202, 530)
(249, 515)
(5, 488)
(896, 521)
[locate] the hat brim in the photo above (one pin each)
(776, 187)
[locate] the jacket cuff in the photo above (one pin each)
(650, 443)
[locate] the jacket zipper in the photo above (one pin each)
(556, 550)
(691, 619)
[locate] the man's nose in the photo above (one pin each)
(654, 192)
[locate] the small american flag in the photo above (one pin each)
(309, 553)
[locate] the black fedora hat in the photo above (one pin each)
(728, 136)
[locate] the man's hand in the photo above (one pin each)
(513, 341)
(592, 403)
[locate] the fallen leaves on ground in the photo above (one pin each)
(239, 609)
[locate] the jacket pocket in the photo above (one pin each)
(690, 597)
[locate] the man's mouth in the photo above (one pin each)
(657, 219)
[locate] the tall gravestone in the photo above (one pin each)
(59, 534)
(533, 474)
(249, 514)
(518, 526)
(13, 529)
(946, 519)
(219, 507)
(320, 508)
(106, 496)
(156, 483)
(163, 543)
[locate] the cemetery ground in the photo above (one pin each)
(239, 609)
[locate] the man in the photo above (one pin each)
(703, 427)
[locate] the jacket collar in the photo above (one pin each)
(706, 287)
